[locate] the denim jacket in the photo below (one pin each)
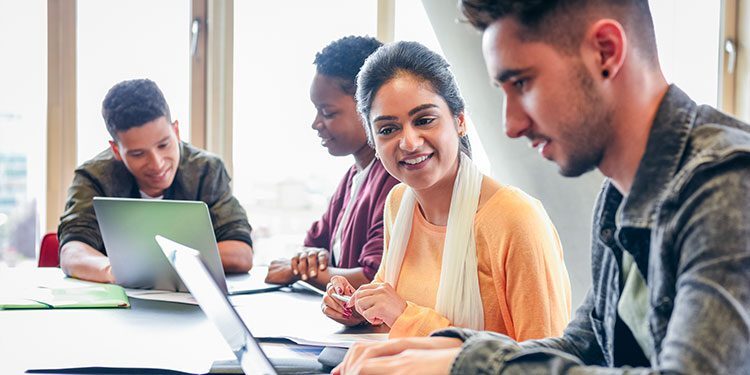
(686, 222)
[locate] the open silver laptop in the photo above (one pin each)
(250, 356)
(128, 227)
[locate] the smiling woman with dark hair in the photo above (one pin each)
(349, 236)
(461, 249)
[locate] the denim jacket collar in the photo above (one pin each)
(628, 220)
(666, 146)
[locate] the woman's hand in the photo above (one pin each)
(378, 303)
(337, 309)
(309, 262)
(280, 272)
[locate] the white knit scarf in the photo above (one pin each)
(458, 297)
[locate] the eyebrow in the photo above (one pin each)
(412, 112)
(141, 150)
(507, 74)
(421, 108)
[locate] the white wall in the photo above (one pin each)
(568, 201)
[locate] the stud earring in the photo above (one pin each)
(605, 73)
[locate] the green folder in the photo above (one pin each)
(78, 297)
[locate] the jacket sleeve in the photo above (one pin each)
(228, 216)
(489, 352)
(78, 221)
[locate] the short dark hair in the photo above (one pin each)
(399, 58)
(561, 22)
(133, 103)
(343, 58)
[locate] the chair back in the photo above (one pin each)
(49, 254)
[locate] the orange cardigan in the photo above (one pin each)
(522, 277)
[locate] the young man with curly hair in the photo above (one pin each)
(147, 160)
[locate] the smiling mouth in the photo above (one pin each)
(416, 162)
(159, 176)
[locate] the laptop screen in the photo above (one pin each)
(216, 306)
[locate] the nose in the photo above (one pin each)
(516, 120)
(155, 161)
(317, 122)
(411, 140)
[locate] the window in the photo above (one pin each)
(127, 39)
(688, 40)
(22, 127)
(282, 175)
(413, 24)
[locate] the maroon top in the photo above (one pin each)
(362, 235)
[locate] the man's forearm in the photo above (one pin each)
(236, 256)
(82, 261)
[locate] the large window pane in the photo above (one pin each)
(23, 125)
(282, 175)
(688, 40)
(127, 39)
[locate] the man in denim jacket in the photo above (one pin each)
(671, 230)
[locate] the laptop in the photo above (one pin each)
(128, 227)
(193, 271)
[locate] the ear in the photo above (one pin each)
(461, 123)
(610, 44)
(115, 150)
(176, 128)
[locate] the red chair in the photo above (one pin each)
(49, 254)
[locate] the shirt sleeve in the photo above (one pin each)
(320, 233)
(372, 251)
(227, 215)
(78, 221)
(536, 285)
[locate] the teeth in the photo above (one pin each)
(416, 161)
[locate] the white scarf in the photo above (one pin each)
(458, 297)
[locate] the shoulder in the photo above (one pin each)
(719, 148)
(103, 169)
(194, 158)
(509, 207)
(393, 201)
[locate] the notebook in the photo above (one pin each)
(79, 297)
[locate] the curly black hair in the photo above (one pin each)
(562, 22)
(133, 103)
(343, 58)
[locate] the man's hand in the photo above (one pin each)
(421, 355)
